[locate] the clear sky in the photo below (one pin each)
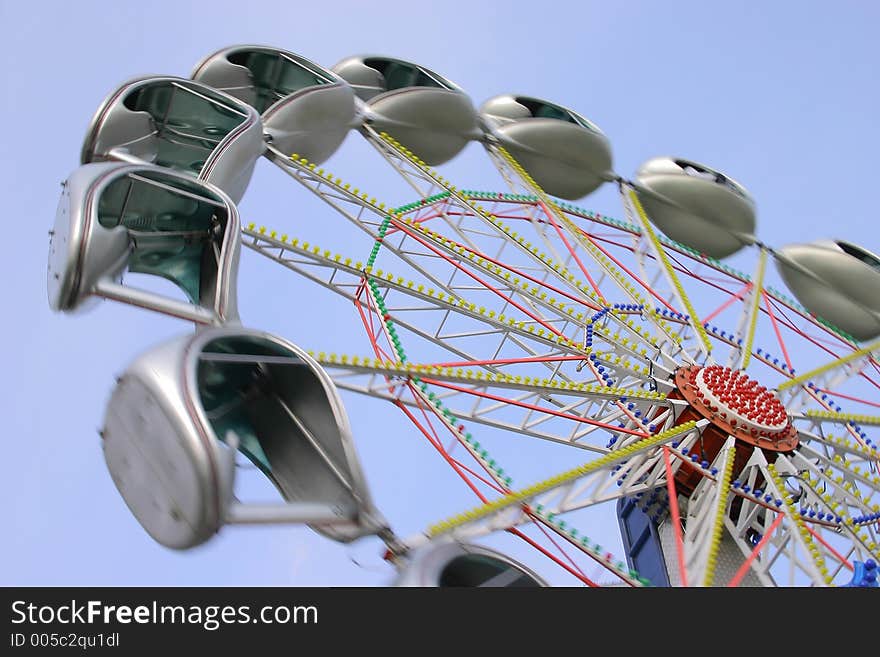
(782, 96)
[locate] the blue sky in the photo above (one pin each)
(782, 96)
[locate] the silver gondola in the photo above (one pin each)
(114, 218)
(305, 108)
(566, 154)
(427, 113)
(448, 563)
(180, 124)
(696, 205)
(181, 411)
(837, 281)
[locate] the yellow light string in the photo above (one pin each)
(558, 480)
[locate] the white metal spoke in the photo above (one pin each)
(745, 329)
(704, 523)
(633, 454)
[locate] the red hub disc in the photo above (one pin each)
(735, 405)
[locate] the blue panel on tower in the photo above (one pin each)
(641, 542)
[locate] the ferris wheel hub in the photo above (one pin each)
(735, 405)
(741, 400)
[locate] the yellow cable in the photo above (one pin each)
(843, 360)
(664, 260)
(757, 292)
(562, 478)
(871, 420)
(724, 489)
(799, 524)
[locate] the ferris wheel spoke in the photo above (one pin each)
(750, 556)
(404, 157)
(786, 316)
(744, 335)
(544, 388)
(831, 503)
(626, 450)
(601, 487)
(739, 295)
(821, 397)
(555, 214)
(456, 207)
(650, 277)
(472, 266)
(775, 323)
(543, 224)
(832, 444)
(632, 203)
(839, 482)
(649, 281)
(751, 526)
(704, 523)
(863, 402)
(802, 325)
(795, 549)
(534, 413)
(842, 418)
(835, 371)
(634, 478)
(422, 180)
(627, 576)
(624, 354)
(833, 514)
(364, 212)
(830, 413)
(572, 250)
(494, 400)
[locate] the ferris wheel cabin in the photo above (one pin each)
(180, 124)
(449, 564)
(181, 411)
(697, 205)
(305, 108)
(427, 113)
(837, 281)
(113, 218)
(566, 154)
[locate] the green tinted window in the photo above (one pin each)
(700, 171)
(275, 76)
(542, 110)
(860, 254)
(479, 570)
(173, 234)
(400, 75)
(188, 125)
(551, 112)
(225, 389)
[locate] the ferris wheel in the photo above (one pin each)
(728, 427)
